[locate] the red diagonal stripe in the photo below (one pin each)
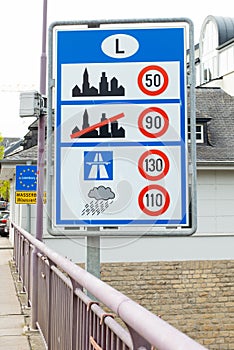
(98, 125)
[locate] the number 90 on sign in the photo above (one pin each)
(154, 200)
(153, 122)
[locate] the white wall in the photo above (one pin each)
(149, 248)
(215, 201)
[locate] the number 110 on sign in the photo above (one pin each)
(154, 200)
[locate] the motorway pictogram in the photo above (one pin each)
(98, 165)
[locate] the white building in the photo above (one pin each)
(215, 66)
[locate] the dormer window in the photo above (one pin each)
(201, 130)
(199, 133)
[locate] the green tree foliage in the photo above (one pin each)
(5, 189)
(4, 184)
(1, 147)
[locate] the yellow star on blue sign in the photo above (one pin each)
(26, 178)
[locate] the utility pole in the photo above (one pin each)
(40, 170)
(41, 132)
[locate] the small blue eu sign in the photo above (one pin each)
(26, 178)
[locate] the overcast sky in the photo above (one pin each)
(21, 32)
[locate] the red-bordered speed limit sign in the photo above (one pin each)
(153, 80)
(153, 165)
(154, 200)
(153, 122)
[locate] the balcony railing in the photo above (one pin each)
(70, 320)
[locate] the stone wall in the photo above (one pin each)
(196, 297)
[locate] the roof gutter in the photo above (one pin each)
(215, 165)
(12, 148)
(16, 161)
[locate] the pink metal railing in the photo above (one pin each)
(69, 320)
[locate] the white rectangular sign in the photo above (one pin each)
(121, 127)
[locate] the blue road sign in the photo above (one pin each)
(26, 178)
(121, 119)
(98, 165)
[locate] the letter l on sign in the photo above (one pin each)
(117, 47)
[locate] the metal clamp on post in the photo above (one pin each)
(89, 305)
(104, 316)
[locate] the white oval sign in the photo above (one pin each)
(120, 46)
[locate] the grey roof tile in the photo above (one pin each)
(214, 103)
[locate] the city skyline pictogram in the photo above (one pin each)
(106, 128)
(105, 87)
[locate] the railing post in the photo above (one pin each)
(49, 310)
(34, 288)
(20, 257)
(75, 285)
(23, 264)
(29, 301)
(137, 341)
(16, 245)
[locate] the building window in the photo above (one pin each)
(199, 133)
(209, 38)
(208, 53)
(226, 60)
